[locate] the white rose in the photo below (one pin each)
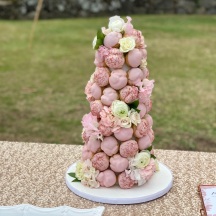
(142, 159)
(127, 44)
(105, 31)
(119, 109)
(94, 42)
(134, 116)
(79, 171)
(116, 23)
(125, 122)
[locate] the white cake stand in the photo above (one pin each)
(157, 186)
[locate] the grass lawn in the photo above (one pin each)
(42, 90)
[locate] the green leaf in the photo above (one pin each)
(134, 104)
(76, 180)
(98, 43)
(72, 175)
(152, 156)
(100, 34)
(149, 148)
(137, 110)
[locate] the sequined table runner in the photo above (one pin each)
(34, 173)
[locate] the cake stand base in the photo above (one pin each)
(157, 186)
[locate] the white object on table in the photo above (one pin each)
(30, 210)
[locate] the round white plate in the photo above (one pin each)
(157, 186)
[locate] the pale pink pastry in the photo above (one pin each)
(96, 91)
(125, 182)
(149, 120)
(100, 161)
(134, 58)
(86, 154)
(135, 76)
(129, 94)
(141, 129)
(112, 39)
(125, 67)
(118, 163)
(110, 145)
(144, 53)
(93, 144)
(101, 76)
(109, 95)
(105, 131)
(118, 79)
(123, 134)
(128, 148)
(142, 109)
(115, 59)
(99, 60)
(106, 178)
(146, 141)
(96, 107)
(143, 96)
(145, 73)
(148, 104)
(89, 96)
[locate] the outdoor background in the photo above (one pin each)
(42, 89)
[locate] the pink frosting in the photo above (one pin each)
(96, 107)
(129, 94)
(149, 120)
(146, 141)
(142, 109)
(101, 76)
(135, 75)
(118, 79)
(124, 181)
(118, 163)
(106, 178)
(93, 144)
(109, 95)
(123, 134)
(105, 131)
(112, 39)
(89, 96)
(100, 161)
(148, 104)
(141, 129)
(110, 145)
(134, 58)
(115, 59)
(128, 148)
(99, 60)
(86, 154)
(95, 91)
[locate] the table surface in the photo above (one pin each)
(35, 173)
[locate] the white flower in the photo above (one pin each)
(127, 44)
(94, 42)
(119, 109)
(142, 159)
(116, 23)
(79, 170)
(105, 31)
(125, 122)
(134, 116)
(143, 64)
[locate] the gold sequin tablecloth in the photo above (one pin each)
(34, 173)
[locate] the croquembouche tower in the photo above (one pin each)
(117, 132)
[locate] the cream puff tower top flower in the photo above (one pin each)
(117, 132)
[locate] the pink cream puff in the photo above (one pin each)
(135, 76)
(125, 182)
(96, 107)
(142, 109)
(96, 91)
(107, 178)
(118, 163)
(101, 76)
(118, 79)
(93, 144)
(110, 145)
(149, 119)
(141, 129)
(86, 154)
(99, 60)
(109, 95)
(146, 141)
(129, 94)
(112, 39)
(115, 59)
(100, 161)
(123, 134)
(128, 148)
(134, 58)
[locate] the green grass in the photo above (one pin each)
(41, 91)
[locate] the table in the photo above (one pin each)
(34, 173)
